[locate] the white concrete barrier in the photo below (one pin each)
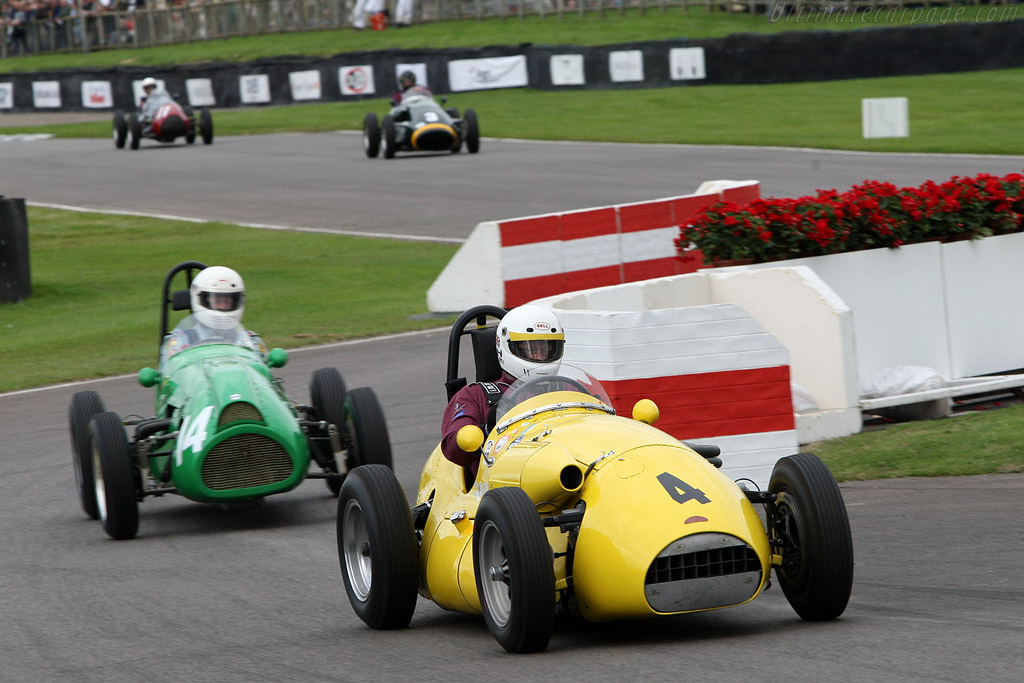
(716, 373)
(514, 261)
(952, 307)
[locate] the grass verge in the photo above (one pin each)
(87, 319)
(985, 442)
(973, 113)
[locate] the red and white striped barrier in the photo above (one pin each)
(715, 373)
(510, 262)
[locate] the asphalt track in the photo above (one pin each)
(324, 180)
(206, 594)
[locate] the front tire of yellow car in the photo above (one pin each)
(514, 571)
(812, 524)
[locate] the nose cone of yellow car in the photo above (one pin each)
(691, 542)
(433, 137)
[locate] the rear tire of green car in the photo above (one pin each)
(327, 395)
(84, 406)
(114, 476)
(366, 431)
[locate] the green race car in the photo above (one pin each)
(223, 430)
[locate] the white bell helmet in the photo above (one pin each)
(530, 342)
(218, 298)
(148, 81)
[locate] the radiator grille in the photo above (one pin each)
(245, 461)
(172, 126)
(238, 411)
(703, 571)
(737, 559)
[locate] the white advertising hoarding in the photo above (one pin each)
(305, 85)
(686, 63)
(46, 94)
(356, 80)
(626, 66)
(200, 92)
(487, 73)
(567, 70)
(6, 95)
(97, 95)
(254, 88)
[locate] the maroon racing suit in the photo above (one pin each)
(396, 99)
(470, 406)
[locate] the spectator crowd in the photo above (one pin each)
(48, 25)
(30, 26)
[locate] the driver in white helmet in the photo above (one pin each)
(217, 299)
(151, 99)
(530, 341)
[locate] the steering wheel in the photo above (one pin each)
(530, 383)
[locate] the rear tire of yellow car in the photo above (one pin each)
(84, 406)
(377, 548)
(114, 476)
(472, 128)
(514, 570)
(817, 547)
(327, 397)
(388, 136)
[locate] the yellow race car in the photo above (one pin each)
(580, 510)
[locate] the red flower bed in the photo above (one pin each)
(867, 216)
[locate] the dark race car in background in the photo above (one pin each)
(420, 124)
(170, 122)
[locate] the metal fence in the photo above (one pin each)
(165, 22)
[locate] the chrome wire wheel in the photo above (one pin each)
(358, 560)
(494, 566)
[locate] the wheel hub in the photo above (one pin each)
(500, 573)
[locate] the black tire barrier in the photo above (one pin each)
(737, 59)
(15, 276)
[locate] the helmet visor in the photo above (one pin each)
(537, 350)
(220, 301)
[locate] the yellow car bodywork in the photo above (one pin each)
(663, 531)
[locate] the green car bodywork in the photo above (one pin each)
(238, 434)
(223, 430)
